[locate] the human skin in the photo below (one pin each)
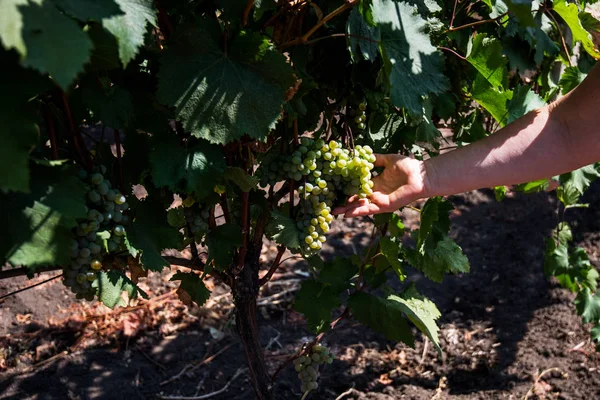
(552, 140)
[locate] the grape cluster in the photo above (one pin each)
(307, 366)
(359, 116)
(106, 206)
(329, 173)
(199, 221)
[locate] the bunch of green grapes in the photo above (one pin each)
(329, 174)
(307, 366)
(97, 235)
(358, 116)
(273, 171)
(199, 221)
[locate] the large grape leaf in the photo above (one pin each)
(363, 39)
(221, 96)
(129, 29)
(150, 233)
(381, 315)
(337, 274)
(581, 178)
(111, 285)
(486, 56)
(196, 169)
(493, 100)
(38, 226)
(113, 106)
(316, 301)
(11, 25)
(588, 306)
(420, 311)
(221, 242)
(523, 101)
(435, 222)
(284, 231)
(89, 9)
(570, 14)
(411, 63)
(570, 79)
(43, 26)
(193, 285)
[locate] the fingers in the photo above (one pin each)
(352, 202)
(381, 160)
(362, 210)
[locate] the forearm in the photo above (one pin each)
(547, 142)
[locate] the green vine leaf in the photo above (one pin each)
(588, 306)
(284, 231)
(570, 79)
(38, 225)
(40, 27)
(150, 233)
(196, 169)
(420, 311)
(413, 66)
(381, 315)
(363, 39)
(130, 29)
(89, 9)
(316, 301)
(486, 56)
(570, 14)
(193, 286)
(522, 102)
(221, 242)
(222, 96)
(112, 284)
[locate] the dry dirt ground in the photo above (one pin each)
(507, 331)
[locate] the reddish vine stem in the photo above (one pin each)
(453, 14)
(453, 52)
(14, 272)
(304, 38)
(164, 23)
(562, 38)
(246, 13)
(52, 135)
(119, 159)
(472, 24)
(276, 263)
(78, 141)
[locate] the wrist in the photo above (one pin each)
(430, 185)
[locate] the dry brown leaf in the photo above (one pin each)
(131, 324)
(22, 318)
(136, 270)
(184, 297)
(384, 379)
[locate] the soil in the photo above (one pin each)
(507, 331)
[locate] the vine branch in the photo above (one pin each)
(276, 263)
(304, 38)
(472, 24)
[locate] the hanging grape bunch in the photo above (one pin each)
(329, 174)
(99, 234)
(357, 116)
(307, 366)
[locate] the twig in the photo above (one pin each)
(340, 35)
(304, 38)
(269, 299)
(453, 14)
(153, 361)
(530, 391)
(485, 21)
(453, 52)
(78, 142)
(346, 393)
(209, 395)
(119, 158)
(29, 287)
(562, 38)
(425, 349)
(276, 263)
(14, 272)
(190, 367)
(52, 135)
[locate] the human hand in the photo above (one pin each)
(402, 181)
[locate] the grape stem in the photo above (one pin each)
(119, 158)
(276, 263)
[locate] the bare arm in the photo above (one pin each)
(553, 140)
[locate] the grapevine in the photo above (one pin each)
(247, 124)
